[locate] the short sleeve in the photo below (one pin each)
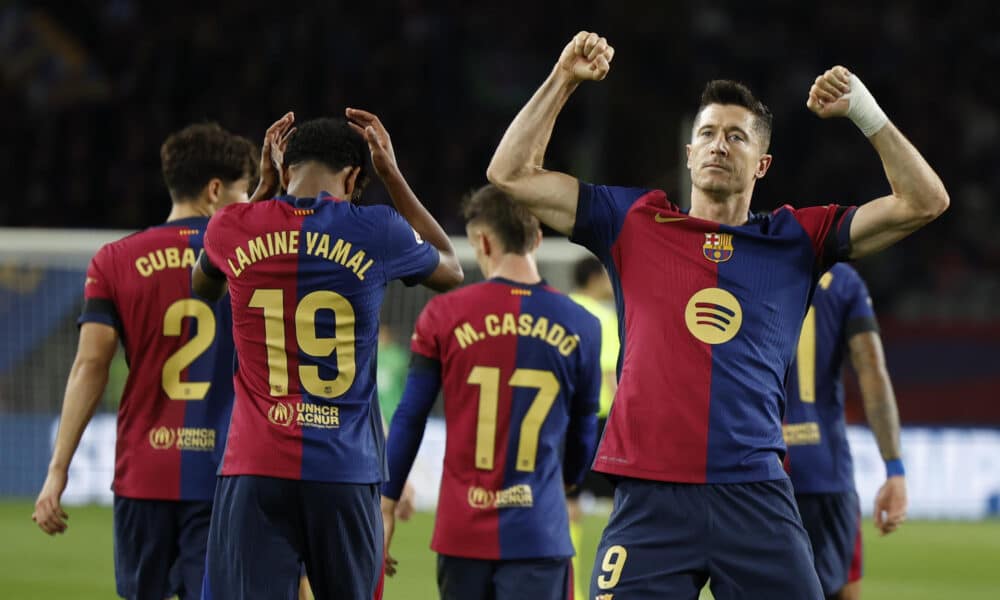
(98, 292)
(407, 256)
(860, 314)
(829, 229)
(600, 214)
(425, 340)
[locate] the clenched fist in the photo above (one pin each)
(587, 57)
(829, 94)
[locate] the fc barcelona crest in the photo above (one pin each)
(718, 247)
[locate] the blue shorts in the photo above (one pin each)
(160, 547)
(537, 579)
(665, 540)
(833, 522)
(264, 530)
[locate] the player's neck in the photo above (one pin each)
(517, 268)
(731, 209)
(186, 210)
(312, 179)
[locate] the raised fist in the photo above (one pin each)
(829, 94)
(587, 57)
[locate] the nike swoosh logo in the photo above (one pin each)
(661, 219)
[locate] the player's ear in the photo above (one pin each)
(763, 164)
(213, 190)
(351, 180)
(687, 148)
(538, 239)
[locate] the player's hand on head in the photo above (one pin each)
(371, 129)
(272, 155)
(890, 505)
(48, 513)
(829, 94)
(587, 57)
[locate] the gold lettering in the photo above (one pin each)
(257, 249)
(173, 258)
(509, 325)
(340, 251)
(236, 271)
(281, 242)
(293, 242)
(569, 344)
(270, 244)
(525, 322)
(492, 325)
(323, 249)
(361, 273)
(142, 265)
(556, 334)
(311, 238)
(241, 257)
(188, 259)
(466, 335)
(355, 263)
(541, 328)
(158, 261)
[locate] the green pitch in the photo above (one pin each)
(924, 560)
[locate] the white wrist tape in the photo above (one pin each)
(863, 110)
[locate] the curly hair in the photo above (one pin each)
(195, 155)
(332, 143)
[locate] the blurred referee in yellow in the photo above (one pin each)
(593, 291)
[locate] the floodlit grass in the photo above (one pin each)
(924, 560)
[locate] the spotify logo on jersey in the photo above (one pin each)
(713, 315)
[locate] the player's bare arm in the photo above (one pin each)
(87, 379)
(206, 286)
(516, 167)
(918, 195)
(868, 361)
(448, 273)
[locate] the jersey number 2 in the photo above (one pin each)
(173, 321)
(273, 304)
(488, 380)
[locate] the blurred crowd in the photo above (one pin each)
(89, 89)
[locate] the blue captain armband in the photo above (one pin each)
(894, 468)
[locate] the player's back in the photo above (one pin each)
(819, 458)
(175, 409)
(307, 277)
(517, 362)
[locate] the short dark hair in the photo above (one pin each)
(195, 155)
(331, 143)
(512, 223)
(585, 269)
(726, 91)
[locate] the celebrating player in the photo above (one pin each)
(175, 409)
(307, 274)
(518, 362)
(711, 302)
(841, 321)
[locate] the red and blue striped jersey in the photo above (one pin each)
(175, 409)
(709, 316)
(307, 277)
(819, 458)
(520, 368)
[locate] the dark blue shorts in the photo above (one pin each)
(160, 547)
(665, 540)
(833, 522)
(264, 530)
(537, 579)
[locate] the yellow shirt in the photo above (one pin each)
(610, 345)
